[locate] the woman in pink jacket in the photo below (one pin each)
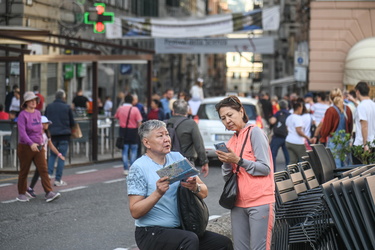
(253, 214)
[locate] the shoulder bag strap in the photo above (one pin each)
(127, 122)
(243, 146)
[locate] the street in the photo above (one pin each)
(92, 212)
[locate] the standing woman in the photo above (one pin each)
(253, 214)
(295, 140)
(337, 117)
(30, 147)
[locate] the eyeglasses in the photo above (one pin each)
(226, 101)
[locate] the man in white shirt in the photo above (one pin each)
(364, 119)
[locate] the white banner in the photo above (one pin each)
(261, 45)
(266, 19)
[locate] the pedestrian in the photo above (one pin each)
(165, 101)
(280, 132)
(253, 214)
(47, 143)
(197, 96)
(108, 106)
(295, 140)
(9, 97)
(3, 115)
(153, 202)
(275, 104)
(130, 119)
(308, 99)
(337, 117)
(40, 105)
(319, 108)
(15, 103)
(139, 106)
(189, 136)
(308, 122)
(30, 148)
(61, 116)
(364, 119)
(266, 106)
(80, 103)
(155, 111)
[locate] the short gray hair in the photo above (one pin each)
(283, 104)
(180, 107)
(60, 94)
(146, 127)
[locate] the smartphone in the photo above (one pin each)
(222, 147)
(39, 147)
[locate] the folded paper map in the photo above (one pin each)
(178, 171)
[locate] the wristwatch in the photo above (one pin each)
(198, 189)
(240, 162)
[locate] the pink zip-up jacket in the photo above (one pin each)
(256, 185)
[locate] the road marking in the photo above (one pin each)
(87, 171)
(113, 181)
(212, 217)
(72, 189)
(118, 166)
(10, 201)
(6, 184)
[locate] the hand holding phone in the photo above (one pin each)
(222, 147)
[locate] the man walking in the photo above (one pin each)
(187, 132)
(166, 102)
(364, 119)
(61, 116)
(280, 132)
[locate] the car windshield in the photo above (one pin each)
(208, 111)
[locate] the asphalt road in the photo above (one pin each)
(92, 212)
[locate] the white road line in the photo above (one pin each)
(10, 201)
(6, 184)
(87, 171)
(72, 189)
(113, 181)
(118, 166)
(212, 217)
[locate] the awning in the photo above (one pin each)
(360, 62)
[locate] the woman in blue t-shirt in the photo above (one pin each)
(153, 200)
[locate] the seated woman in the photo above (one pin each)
(153, 201)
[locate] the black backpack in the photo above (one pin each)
(171, 127)
(193, 211)
(279, 128)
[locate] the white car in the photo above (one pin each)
(212, 129)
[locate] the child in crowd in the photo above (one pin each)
(46, 143)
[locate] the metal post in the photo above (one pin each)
(94, 120)
(149, 82)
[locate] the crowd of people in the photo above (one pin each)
(296, 122)
(299, 122)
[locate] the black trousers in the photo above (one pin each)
(161, 238)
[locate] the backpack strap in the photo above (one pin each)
(177, 123)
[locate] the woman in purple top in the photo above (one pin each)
(30, 148)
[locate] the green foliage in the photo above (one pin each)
(341, 140)
(366, 157)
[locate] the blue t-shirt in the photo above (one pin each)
(142, 181)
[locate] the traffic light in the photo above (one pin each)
(98, 18)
